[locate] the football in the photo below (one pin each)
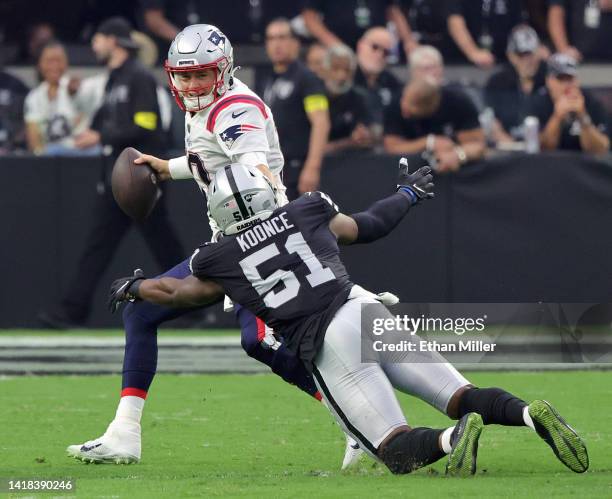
(135, 187)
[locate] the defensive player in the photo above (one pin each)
(224, 122)
(283, 264)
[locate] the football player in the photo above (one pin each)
(224, 122)
(283, 264)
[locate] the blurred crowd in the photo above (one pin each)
(334, 79)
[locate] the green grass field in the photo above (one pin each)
(254, 436)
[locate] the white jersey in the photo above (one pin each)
(59, 119)
(237, 123)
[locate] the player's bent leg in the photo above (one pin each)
(141, 320)
(423, 374)
(497, 406)
(362, 399)
(121, 443)
(287, 366)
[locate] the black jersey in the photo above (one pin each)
(285, 269)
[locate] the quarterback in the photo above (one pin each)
(283, 264)
(225, 122)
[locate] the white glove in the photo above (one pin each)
(386, 298)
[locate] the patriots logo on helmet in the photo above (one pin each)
(217, 39)
(232, 133)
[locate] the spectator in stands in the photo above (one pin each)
(480, 28)
(53, 115)
(581, 28)
(536, 14)
(373, 48)
(336, 23)
(314, 58)
(12, 95)
(427, 19)
(438, 121)
(569, 116)
(243, 21)
(39, 35)
(129, 116)
(348, 106)
(509, 90)
(297, 99)
(426, 63)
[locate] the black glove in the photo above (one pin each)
(124, 289)
(417, 185)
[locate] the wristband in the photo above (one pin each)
(133, 289)
(414, 199)
(179, 168)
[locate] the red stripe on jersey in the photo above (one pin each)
(261, 329)
(248, 99)
(134, 392)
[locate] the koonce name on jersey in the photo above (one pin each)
(263, 230)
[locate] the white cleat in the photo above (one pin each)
(352, 453)
(119, 445)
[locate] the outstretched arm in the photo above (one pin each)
(180, 293)
(384, 215)
(167, 291)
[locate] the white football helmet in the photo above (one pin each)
(198, 47)
(239, 197)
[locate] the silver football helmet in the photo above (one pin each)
(239, 197)
(198, 47)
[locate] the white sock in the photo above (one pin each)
(130, 409)
(445, 440)
(527, 418)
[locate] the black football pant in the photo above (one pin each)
(109, 227)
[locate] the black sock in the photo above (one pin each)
(411, 450)
(496, 406)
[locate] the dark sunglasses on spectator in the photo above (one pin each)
(379, 48)
(524, 54)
